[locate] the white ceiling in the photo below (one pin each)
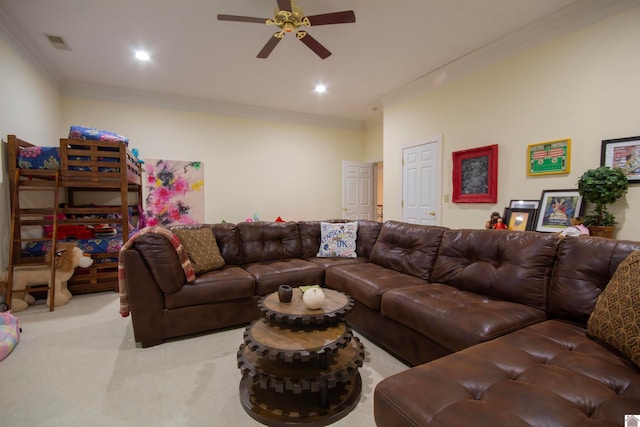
(199, 60)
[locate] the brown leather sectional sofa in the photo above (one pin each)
(493, 321)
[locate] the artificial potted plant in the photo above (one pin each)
(602, 187)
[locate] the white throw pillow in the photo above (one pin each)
(338, 239)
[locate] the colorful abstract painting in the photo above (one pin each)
(174, 192)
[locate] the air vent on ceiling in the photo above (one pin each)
(58, 42)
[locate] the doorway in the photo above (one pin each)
(361, 190)
(421, 182)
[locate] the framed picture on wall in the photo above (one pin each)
(520, 219)
(475, 175)
(557, 208)
(549, 157)
(524, 204)
(623, 153)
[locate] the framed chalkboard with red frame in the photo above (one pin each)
(475, 175)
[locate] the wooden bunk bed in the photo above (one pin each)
(75, 167)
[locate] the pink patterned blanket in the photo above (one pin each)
(175, 242)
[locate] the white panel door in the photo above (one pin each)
(421, 183)
(357, 190)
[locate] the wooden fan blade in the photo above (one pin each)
(315, 46)
(284, 5)
(345, 17)
(268, 48)
(236, 18)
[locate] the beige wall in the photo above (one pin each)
(30, 109)
(251, 166)
(584, 86)
(373, 143)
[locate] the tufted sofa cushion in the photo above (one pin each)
(368, 282)
(550, 373)
(407, 248)
(230, 283)
(228, 240)
(584, 267)
(454, 318)
(261, 241)
(508, 265)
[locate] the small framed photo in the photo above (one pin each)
(520, 219)
(475, 175)
(557, 208)
(623, 153)
(549, 157)
(526, 204)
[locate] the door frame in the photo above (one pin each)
(436, 139)
(372, 188)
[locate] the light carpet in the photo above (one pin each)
(80, 366)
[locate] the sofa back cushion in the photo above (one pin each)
(584, 267)
(267, 241)
(407, 248)
(163, 261)
(228, 240)
(510, 265)
(310, 236)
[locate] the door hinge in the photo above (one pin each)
(402, 203)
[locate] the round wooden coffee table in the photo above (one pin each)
(300, 366)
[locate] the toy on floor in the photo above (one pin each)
(68, 256)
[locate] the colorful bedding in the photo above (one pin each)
(96, 245)
(89, 242)
(82, 132)
(49, 158)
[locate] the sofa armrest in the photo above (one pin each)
(162, 261)
(145, 300)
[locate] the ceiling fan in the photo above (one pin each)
(289, 18)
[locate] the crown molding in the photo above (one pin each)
(570, 18)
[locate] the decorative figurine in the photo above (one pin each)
(313, 298)
(285, 293)
(493, 220)
(500, 225)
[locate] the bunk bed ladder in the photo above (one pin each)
(25, 217)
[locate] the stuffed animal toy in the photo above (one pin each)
(577, 228)
(68, 256)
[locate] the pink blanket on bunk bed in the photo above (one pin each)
(175, 242)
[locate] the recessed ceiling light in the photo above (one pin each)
(142, 55)
(321, 88)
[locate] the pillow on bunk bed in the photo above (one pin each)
(38, 157)
(81, 132)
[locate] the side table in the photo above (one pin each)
(300, 366)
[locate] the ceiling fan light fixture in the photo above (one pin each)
(289, 18)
